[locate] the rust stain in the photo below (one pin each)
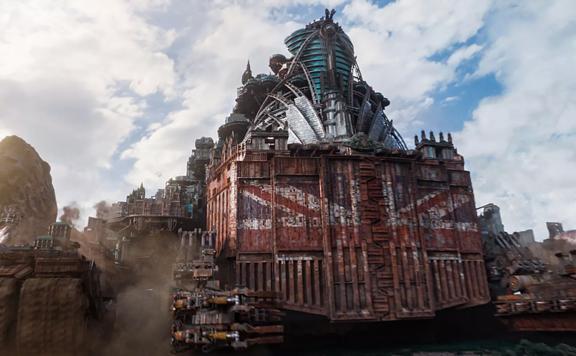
(350, 236)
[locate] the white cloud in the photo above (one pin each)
(398, 65)
(396, 45)
(76, 79)
(463, 54)
(73, 77)
(520, 145)
(211, 66)
(450, 99)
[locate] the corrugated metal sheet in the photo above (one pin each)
(353, 237)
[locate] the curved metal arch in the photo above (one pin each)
(309, 81)
(399, 138)
(279, 98)
(391, 131)
(265, 105)
(275, 119)
(265, 101)
(351, 87)
(290, 70)
(293, 89)
(357, 68)
(355, 75)
(313, 35)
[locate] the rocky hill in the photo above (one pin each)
(27, 199)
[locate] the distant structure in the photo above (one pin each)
(554, 228)
(490, 219)
(181, 197)
(133, 231)
(558, 241)
(200, 157)
(9, 215)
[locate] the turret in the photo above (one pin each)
(554, 229)
(432, 149)
(247, 75)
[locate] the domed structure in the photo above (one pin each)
(318, 94)
(326, 52)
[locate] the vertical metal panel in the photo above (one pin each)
(251, 274)
(244, 273)
(355, 237)
(475, 275)
(376, 231)
(297, 205)
(238, 273)
(466, 220)
(447, 218)
(296, 166)
(325, 269)
(309, 286)
(410, 270)
(469, 240)
(260, 276)
(301, 281)
(255, 271)
(291, 286)
(318, 299)
(254, 216)
(269, 277)
(435, 218)
(345, 243)
(299, 290)
(283, 283)
(449, 279)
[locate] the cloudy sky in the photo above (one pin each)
(113, 93)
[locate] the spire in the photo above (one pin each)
(247, 73)
(329, 14)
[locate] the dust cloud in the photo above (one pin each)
(70, 214)
(143, 299)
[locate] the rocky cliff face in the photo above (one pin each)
(26, 193)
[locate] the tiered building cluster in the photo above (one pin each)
(181, 197)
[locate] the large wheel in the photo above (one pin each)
(51, 317)
(8, 307)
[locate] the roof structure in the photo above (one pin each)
(318, 94)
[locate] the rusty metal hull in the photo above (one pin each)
(549, 322)
(353, 237)
(53, 290)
